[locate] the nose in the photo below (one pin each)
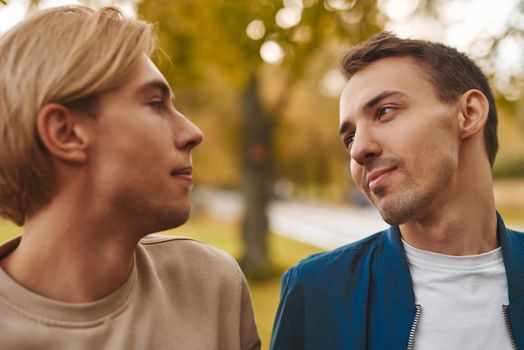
(365, 147)
(187, 134)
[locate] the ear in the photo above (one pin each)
(473, 113)
(62, 133)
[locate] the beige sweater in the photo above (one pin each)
(182, 294)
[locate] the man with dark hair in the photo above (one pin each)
(94, 157)
(419, 122)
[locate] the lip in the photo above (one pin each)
(183, 173)
(377, 176)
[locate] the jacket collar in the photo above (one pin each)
(398, 290)
(395, 264)
(395, 267)
(512, 243)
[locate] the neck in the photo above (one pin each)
(68, 253)
(461, 222)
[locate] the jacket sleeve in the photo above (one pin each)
(288, 330)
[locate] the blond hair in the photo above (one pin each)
(65, 55)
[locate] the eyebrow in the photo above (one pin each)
(345, 125)
(383, 95)
(371, 104)
(153, 85)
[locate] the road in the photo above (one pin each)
(324, 226)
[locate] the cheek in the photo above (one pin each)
(438, 153)
(356, 172)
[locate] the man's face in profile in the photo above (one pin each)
(141, 151)
(403, 141)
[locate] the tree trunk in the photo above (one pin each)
(257, 159)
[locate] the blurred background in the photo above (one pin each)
(261, 79)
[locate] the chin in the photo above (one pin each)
(170, 219)
(396, 211)
(180, 216)
(392, 218)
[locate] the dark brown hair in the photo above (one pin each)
(450, 72)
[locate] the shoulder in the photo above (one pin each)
(516, 233)
(349, 261)
(183, 246)
(319, 286)
(186, 256)
(510, 238)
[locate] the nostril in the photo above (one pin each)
(193, 144)
(195, 140)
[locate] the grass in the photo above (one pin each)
(226, 235)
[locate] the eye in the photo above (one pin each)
(348, 139)
(157, 104)
(384, 110)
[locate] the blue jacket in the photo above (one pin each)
(360, 296)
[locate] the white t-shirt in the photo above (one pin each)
(461, 299)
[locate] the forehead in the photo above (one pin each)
(145, 79)
(145, 72)
(401, 74)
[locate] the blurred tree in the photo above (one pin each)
(239, 39)
(229, 38)
(216, 48)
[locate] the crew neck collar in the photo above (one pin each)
(49, 311)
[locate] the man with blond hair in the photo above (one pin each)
(419, 122)
(93, 158)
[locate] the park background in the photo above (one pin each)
(261, 79)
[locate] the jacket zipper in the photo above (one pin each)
(508, 328)
(411, 340)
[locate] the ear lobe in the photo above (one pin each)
(474, 108)
(61, 133)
